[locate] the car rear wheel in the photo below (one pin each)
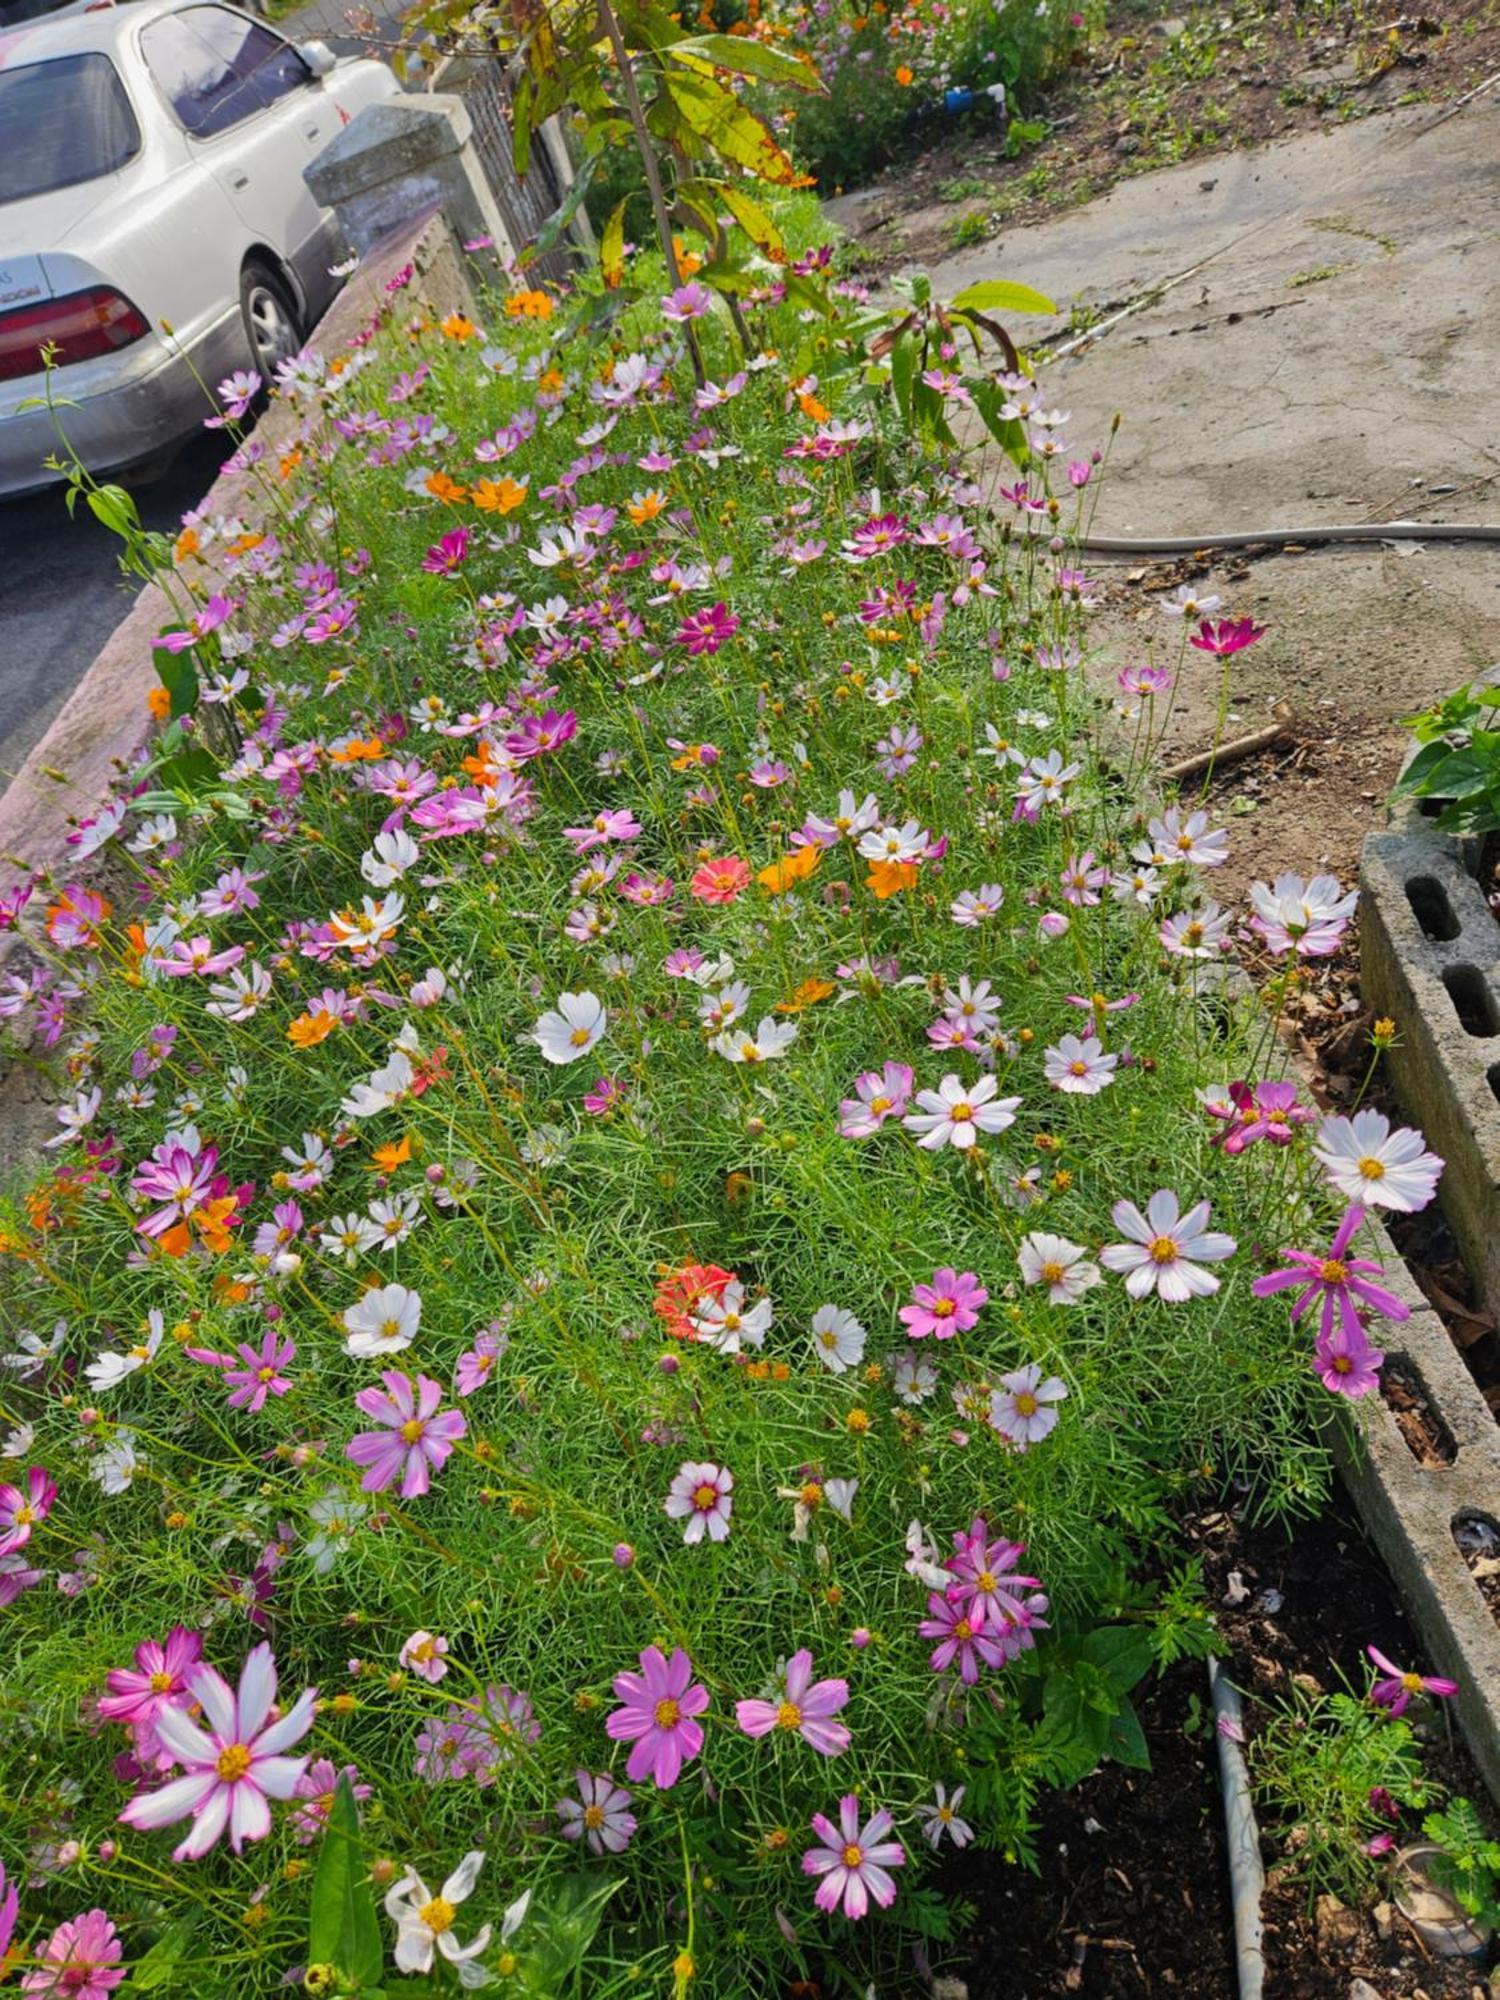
(272, 328)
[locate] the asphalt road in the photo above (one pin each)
(61, 592)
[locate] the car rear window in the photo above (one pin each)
(62, 122)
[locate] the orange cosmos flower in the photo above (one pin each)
(889, 878)
(808, 994)
(393, 1154)
(644, 507)
(441, 487)
(159, 702)
(904, 76)
(458, 326)
(498, 496)
(793, 867)
(357, 750)
(311, 1028)
(186, 545)
(528, 305)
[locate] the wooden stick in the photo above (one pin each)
(1232, 752)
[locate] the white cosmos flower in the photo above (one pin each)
(388, 858)
(726, 1322)
(112, 1367)
(907, 842)
(1058, 1264)
(384, 1321)
(574, 1027)
(116, 1463)
(1369, 1163)
(838, 1339)
(424, 1922)
(388, 1084)
(955, 1114)
(771, 1039)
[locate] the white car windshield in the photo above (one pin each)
(62, 122)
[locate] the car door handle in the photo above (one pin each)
(313, 131)
(239, 181)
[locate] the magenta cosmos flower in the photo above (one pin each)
(1340, 1280)
(949, 1305)
(22, 1507)
(658, 1715)
(1396, 1689)
(805, 1709)
(1347, 1363)
(234, 1765)
(600, 1814)
(82, 1960)
(1261, 1111)
(879, 1094)
(706, 631)
(447, 555)
(1223, 636)
(158, 1680)
(1167, 1249)
(700, 1495)
(253, 1376)
(688, 302)
(416, 1438)
(854, 1861)
(957, 1621)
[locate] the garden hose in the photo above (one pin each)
(1247, 1878)
(1249, 538)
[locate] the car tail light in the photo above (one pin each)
(80, 327)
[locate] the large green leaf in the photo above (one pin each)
(1122, 1653)
(1126, 1741)
(729, 128)
(561, 217)
(755, 222)
(612, 246)
(746, 57)
(162, 1963)
(344, 1930)
(1000, 295)
(179, 676)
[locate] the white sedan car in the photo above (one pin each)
(151, 160)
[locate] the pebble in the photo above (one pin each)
(1361, 1989)
(1337, 1924)
(1384, 1919)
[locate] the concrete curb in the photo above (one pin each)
(96, 738)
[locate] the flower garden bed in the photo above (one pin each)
(647, 1201)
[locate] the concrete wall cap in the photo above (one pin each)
(387, 141)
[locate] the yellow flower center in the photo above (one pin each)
(1332, 1272)
(1053, 1274)
(579, 1037)
(788, 1716)
(160, 1683)
(233, 1762)
(880, 1103)
(1162, 1250)
(1372, 1169)
(705, 1498)
(265, 1374)
(437, 1915)
(389, 1329)
(667, 1713)
(811, 1495)
(962, 1114)
(593, 1818)
(411, 1430)
(963, 1629)
(1026, 1404)
(944, 1309)
(1342, 1365)
(852, 1856)
(140, 1353)
(1412, 1683)
(24, 1516)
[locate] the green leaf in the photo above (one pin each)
(1008, 432)
(1126, 1740)
(344, 1930)
(160, 1963)
(746, 57)
(612, 246)
(755, 222)
(114, 509)
(729, 279)
(1000, 295)
(729, 128)
(561, 217)
(1122, 1653)
(1068, 1746)
(179, 676)
(903, 374)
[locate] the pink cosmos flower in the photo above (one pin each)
(706, 631)
(879, 1094)
(949, 1305)
(209, 619)
(700, 1495)
(536, 735)
(805, 1709)
(1397, 1689)
(687, 302)
(619, 823)
(1261, 1111)
(720, 881)
(423, 1654)
(1080, 1067)
(658, 1714)
(1341, 1281)
(235, 1765)
(600, 1814)
(314, 1797)
(1309, 918)
(253, 1376)
(1167, 1250)
(854, 1861)
(20, 1510)
(984, 1568)
(1347, 1364)
(81, 1960)
(415, 1438)
(10, 1909)
(1223, 636)
(477, 1366)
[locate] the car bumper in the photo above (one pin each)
(115, 412)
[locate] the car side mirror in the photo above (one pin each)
(320, 59)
